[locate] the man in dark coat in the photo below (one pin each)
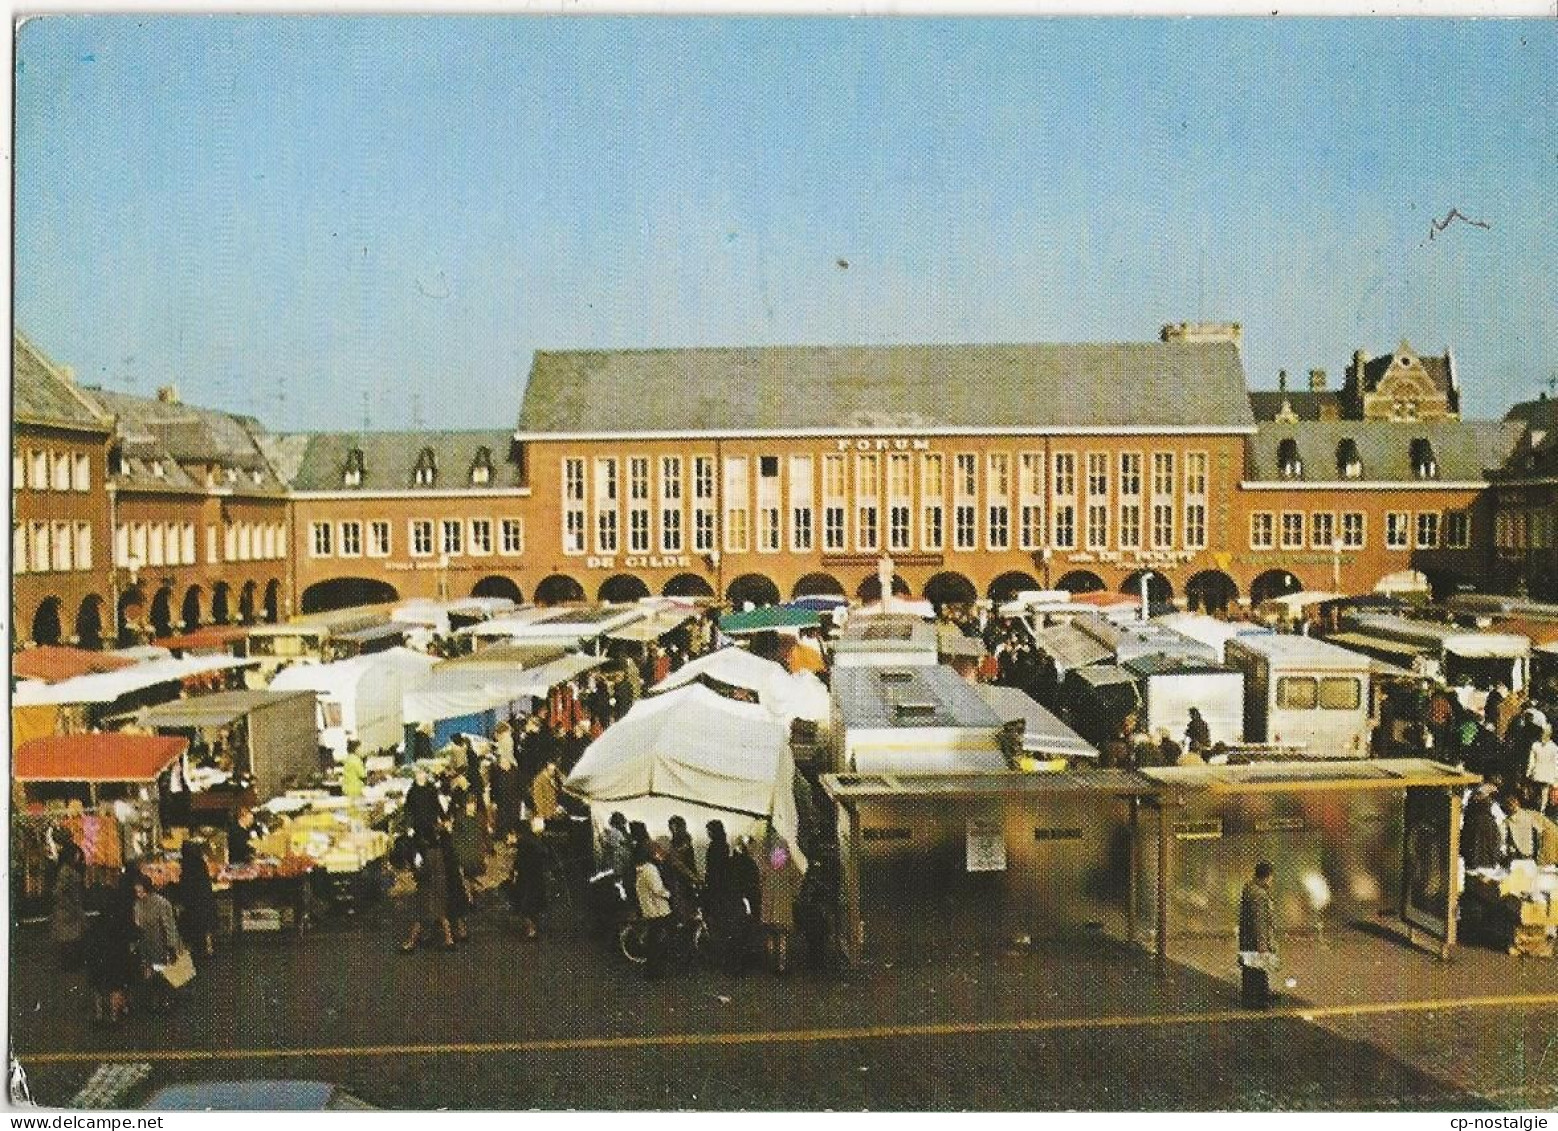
(1482, 841)
(423, 811)
(1257, 938)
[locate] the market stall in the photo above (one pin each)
(258, 742)
(84, 702)
(361, 700)
(694, 753)
(107, 790)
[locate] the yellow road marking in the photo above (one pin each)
(804, 1036)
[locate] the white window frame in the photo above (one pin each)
(511, 536)
(479, 547)
(351, 531)
(1263, 530)
(427, 526)
(1437, 521)
(1398, 530)
(321, 540)
(81, 472)
(1362, 540)
(1283, 524)
(379, 542)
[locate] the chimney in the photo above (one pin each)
(168, 394)
(1317, 380)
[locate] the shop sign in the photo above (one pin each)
(986, 846)
(883, 444)
(641, 561)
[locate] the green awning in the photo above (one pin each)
(768, 619)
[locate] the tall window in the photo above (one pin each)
(1397, 530)
(867, 477)
(1195, 526)
(1262, 530)
(703, 530)
(737, 493)
(82, 477)
(1427, 530)
(453, 537)
(83, 545)
(1097, 526)
(1065, 526)
(38, 480)
(998, 493)
(378, 539)
(801, 504)
(866, 534)
(1353, 530)
(63, 538)
(606, 533)
(1457, 529)
(833, 533)
(966, 475)
(900, 476)
(573, 506)
(62, 469)
(1162, 525)
(154, 551)
(511, 536)
(422, 536)
(1130, 474)
(1292, 530)
(932, 491)
(1097, 476)
(1030, 501)
(1195, 474)
(481, 536)
(638, 504)
(703, 477)
(1322, 530)
(1130, 526)
(1065, 475)
(768, 534)
(351, 540)
(39, 541)
(900, 492)
(1162, 474)
(965, 537)
(899, 536)
(211, 546)
(671, 504)
(320, 545)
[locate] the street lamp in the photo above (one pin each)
(1046, 553)
(1336, 565)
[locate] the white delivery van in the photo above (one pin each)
(1299, 691)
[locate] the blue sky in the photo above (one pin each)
(322, 219)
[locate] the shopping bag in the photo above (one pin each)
(180, 972)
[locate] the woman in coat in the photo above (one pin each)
(68, 921)
(195, 897)
(527, 881)
(432, 906)
(157, 939)
(112, 967)
(469, 835)
(781, 883)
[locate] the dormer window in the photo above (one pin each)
(1288, 462)
(352, 475)
(256, 477)
(1424, 464)
(425, 474)
(481, 467)
(232, 475)
(157, 470)
(1348, 463)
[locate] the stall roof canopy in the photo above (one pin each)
(1303, 650)
(1043, 733)
(1277, 777)
(789, 696)
(909, 697)
(559, 625)
(95, 757)
(1070, 647)
(507, 656)
(953, 641)
(215, 710)
(372, 632)
(651, 628)
(212, 636)
(541, 680)
(52, 663)
(105, 687)
(767, 619)
(887, 632)
(1160, 663)
(935, 787)
(1448, 637)
(1363, 642)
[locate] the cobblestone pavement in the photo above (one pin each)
(562, 1023)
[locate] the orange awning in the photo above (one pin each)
(96, 757)
(52, 663)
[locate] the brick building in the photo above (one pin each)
(385, 515)
(61, 589)
(199, 518)
(1525, 502)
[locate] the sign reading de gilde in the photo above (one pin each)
(641, 561)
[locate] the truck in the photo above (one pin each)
(1303, 692)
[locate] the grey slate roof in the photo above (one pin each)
(186, 439)
(850, 388)
(1307, 405)
(317, 461)
(43, 395)
(1464, 449)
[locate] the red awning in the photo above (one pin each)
(213, 636)
(51, 663)
(96, 757)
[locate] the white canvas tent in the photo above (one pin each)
(105, 687)
(692, 752)
(361, 699)
(797, 696)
